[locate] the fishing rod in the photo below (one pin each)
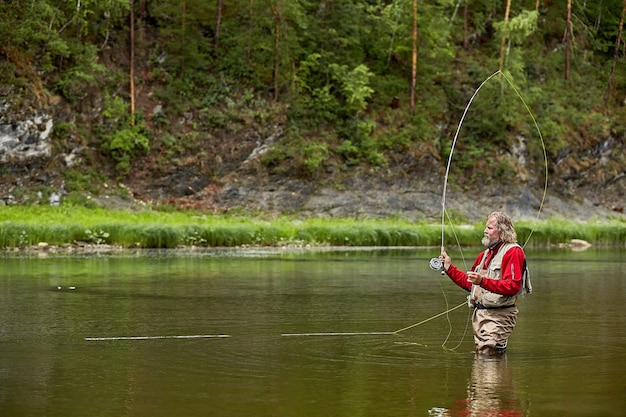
(436, 264)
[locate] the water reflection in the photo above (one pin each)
(491, 392)
(492, 388)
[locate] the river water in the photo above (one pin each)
(262, 332)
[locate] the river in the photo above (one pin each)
(311, 332)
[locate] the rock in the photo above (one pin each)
(25, 139)
(579, 244)
(55, 199)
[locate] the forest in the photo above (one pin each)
(144, 87)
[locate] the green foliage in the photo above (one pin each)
(327, 70)
(315, 156)
(89, 180)
(349, 151)
(518, 28)
(96, 237)
(182, 34)
(554, 134)
(561, 231)
(19, 234)
(82, 73)
(320, 106)
(305, 157)
(597, 23)
(354, 85)
(59, 38)
(122, 138)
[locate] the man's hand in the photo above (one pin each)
(446, 259)
(474, 277)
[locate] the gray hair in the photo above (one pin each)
(505, 226)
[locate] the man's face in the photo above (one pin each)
(491, 234)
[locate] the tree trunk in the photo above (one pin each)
(132, 63)
(465, 25)
(183, 31)
(141, 19)
(414, 63)
(218, 23)
(249, 48)
(615, 57)
(568, 38)
(503, 41)
(276, 10)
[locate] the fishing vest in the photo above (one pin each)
(488, 299)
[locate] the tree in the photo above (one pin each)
(568, 39)
(218, 23)
(414, 58)
(183, 30)
(465, 28)
(277, 18)
(615, 57)
(132, 62)
(503, 40)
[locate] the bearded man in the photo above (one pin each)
(497, 277)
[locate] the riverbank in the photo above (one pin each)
(80, 228)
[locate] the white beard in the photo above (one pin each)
(488, 243)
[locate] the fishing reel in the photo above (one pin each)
(436, 264)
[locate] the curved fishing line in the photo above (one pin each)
(545, 157)
(454, 141)
(467, 322)
(444, 212)
(456, 239)
(456, 136)
(458, 243)
(464, 303)
(443, 291)
(445, 297)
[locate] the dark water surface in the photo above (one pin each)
(254, 333)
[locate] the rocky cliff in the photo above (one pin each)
(581, 186)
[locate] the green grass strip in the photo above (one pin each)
(22, 226)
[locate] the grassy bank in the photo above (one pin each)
(68, 225)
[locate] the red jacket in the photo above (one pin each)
(513, 260)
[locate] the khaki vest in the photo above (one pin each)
(490, 299)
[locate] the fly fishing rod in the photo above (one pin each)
(436, 264)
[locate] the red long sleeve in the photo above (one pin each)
(512, 269)
(459, 277)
